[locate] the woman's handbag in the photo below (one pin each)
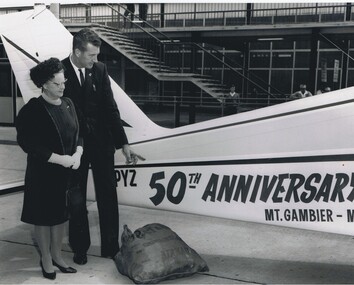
(75, 201)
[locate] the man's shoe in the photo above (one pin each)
(80, 258)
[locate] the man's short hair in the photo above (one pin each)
(85, 36)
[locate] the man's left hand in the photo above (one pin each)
(130, 156)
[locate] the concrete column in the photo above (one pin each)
(249, 13)
(311, 84)
(122, 73)
(345, 64)
(162, 15)
(246, 63)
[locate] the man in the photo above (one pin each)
(231, 101)
(325, 90)
(143, 9)
(302, 93)
(101, 127)
(129, 10)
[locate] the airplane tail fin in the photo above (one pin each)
(28, 40)
(138, 126)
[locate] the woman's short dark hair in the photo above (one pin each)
(85, 36)
(45, 71)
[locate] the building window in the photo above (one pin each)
(302, 59)
(281, 80)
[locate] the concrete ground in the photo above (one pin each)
(236, 252)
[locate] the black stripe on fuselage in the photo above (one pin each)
(250, 121)
(253, 161)
(21, 50)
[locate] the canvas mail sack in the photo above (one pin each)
(154, 253)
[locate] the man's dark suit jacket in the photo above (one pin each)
(98, 114)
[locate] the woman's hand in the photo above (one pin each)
(63, 160)
(77, 157)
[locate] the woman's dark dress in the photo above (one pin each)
(52, 129)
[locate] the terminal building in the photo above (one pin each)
(186, 56)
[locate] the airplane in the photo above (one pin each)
(288, 165)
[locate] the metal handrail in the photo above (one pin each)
(244, 104)
(259, 12)
(139, 26)
(190, 99)
(169, 41)
(160, 43)
(317, 6)
(230, 67)
(182, 105)
(259, 78)
(156, 36)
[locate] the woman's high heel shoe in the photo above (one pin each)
(64, 269)
(50, 275)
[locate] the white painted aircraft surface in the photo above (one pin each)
(287, 165)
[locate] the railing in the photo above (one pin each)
(141, 32)
(185, 57)
(251, 101)
(298, 15)
(319, 13)
(205, 109)
(195, 19)
(257, 83)
(315, 13)
(164, 48)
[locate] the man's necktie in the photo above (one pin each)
(82, 78)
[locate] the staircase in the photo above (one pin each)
(147, 61)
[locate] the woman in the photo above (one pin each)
(47, 130)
